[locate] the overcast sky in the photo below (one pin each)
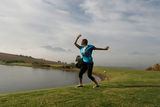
(47, 29)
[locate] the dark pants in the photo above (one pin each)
(86, 66)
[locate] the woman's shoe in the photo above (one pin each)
(96, 86)
(80, 85)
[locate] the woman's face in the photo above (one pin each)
(82, 42)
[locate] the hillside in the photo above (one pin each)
(26, 59)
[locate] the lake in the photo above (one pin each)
(19, 78)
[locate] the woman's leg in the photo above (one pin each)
(82, 71)
(90, 68)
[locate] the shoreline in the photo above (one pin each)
(100, 75)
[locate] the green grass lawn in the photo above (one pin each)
(125, 88)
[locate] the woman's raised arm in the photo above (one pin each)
(75, 42)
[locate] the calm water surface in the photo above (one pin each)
(18, 78)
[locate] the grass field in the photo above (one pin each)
(125, 88)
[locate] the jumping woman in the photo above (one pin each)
(87, 64)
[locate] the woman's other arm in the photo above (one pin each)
(106, 48)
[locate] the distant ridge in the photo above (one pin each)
(27, 59)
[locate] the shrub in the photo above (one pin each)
(40, 64)
(156, 67)
(67, 66)
(13, 61)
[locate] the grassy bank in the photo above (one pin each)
(125, 88)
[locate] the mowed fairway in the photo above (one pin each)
(125, 88)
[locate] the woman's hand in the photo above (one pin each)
(79, 36)
(106, 48)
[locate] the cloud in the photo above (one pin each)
(126, 25)
(143, 53)
(55, 49)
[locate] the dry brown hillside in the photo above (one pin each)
(27, 59)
